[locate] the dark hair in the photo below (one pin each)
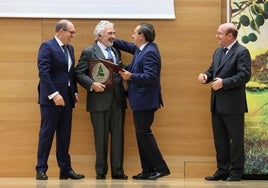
(148, 31)
(232, 31)
(62, 24)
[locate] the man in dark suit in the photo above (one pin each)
(57, 96)
(144, 94)
(106, 104)
(229, 72)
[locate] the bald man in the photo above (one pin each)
(228, 74)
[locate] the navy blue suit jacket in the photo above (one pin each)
(53, 72)
(144, 90)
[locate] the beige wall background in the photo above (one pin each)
(182, 128)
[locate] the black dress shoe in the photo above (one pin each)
(71, 174)
(120, 177)
(217, 176)
(41, 176)
(158, 174)
(141, 176)
(234, 178)
(100, 177)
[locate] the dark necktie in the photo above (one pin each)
(65, 52)
(137, 53)
(135, 56)
(224, 50)
(110, 56)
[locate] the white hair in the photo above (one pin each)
(100, 27)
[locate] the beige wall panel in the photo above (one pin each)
(19, 89)
(19, 70)
(20, 39)
(199, 169)
(182, 128)
(224, 10)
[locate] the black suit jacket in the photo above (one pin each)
(99, 101)
(235, 71)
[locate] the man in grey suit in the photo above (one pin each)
(106, 104)
(229, 72)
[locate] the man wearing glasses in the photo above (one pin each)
(228, 74)
(57, 96)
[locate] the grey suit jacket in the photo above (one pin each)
(235, 71)
(99, 101)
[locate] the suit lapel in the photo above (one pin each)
(116, 55)
(226, 58)
(97, 52)
(222, 61)
(60, 52)
(136, 56)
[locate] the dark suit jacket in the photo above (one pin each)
(144, 90)
(99, 101)
(235, 70)
(53, 72)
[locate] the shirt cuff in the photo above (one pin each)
(53, 95)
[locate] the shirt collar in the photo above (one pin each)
(231, 45)
(142, 46)
(58, 41)
(101, 46)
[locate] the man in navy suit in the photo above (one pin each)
(57, 96)
(229, 72)
(106, 104)
(144, 94)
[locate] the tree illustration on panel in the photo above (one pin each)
(250, 14)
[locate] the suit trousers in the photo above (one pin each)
(228, 132)
(150, 155)
(105, 122)
(55, 119)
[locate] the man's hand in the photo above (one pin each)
(98, 87)
(217, 84)
(76, 99)
(202, 78)
(125, 74)
(58, 100)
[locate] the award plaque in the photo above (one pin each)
(115, 67)
(102, 71)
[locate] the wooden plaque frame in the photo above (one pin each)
(101, 71)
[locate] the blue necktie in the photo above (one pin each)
(110, 56)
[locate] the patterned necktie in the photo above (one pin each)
(110, 56)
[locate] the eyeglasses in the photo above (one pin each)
(219, 34)
(71, 32)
